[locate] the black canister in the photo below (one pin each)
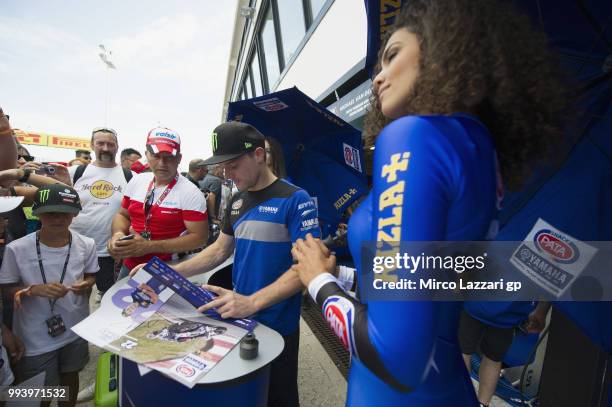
(249, 347)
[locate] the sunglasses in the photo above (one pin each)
(25, 157)
(104, 129)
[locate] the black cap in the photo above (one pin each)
(56, 198)
(233, 139)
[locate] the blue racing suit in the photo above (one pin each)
(434, 179)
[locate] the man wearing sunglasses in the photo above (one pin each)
(162, 213)
(100, 185)
(23, 156)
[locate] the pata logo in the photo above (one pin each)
(43, 195)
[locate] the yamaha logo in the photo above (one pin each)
(551, 258)
(198, 364)
(309, 223)
(268, 209)
(556, 246)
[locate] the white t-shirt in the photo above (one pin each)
(20, 265)
(101, 191)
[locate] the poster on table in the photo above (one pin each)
(149, 321)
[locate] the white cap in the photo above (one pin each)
(8, 203)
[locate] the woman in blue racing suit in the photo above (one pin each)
(465, 94)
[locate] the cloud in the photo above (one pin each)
(162, 49)
(17, 31)
(171, 70)
(157, 40)
(37, 42)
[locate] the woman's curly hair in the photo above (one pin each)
(483, 57)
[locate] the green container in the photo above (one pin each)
(107, 381)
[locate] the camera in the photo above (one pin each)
(55, 326)
(45, 169)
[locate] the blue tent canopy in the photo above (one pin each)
(575, 196)
(323, 153)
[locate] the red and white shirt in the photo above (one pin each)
(185, 202)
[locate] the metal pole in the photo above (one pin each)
(107, 97)
(105, 57)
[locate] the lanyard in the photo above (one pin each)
(148, 205)
(42, 268)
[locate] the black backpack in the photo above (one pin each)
(81, 169)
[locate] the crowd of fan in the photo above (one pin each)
(56, 257)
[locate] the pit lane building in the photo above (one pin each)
(317, 45)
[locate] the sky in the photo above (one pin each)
(171, 58)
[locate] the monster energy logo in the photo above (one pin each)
(248, 145)
(215, 142)
(43, 195)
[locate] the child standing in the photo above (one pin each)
(49, 273)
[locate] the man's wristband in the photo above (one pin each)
(26, 175)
